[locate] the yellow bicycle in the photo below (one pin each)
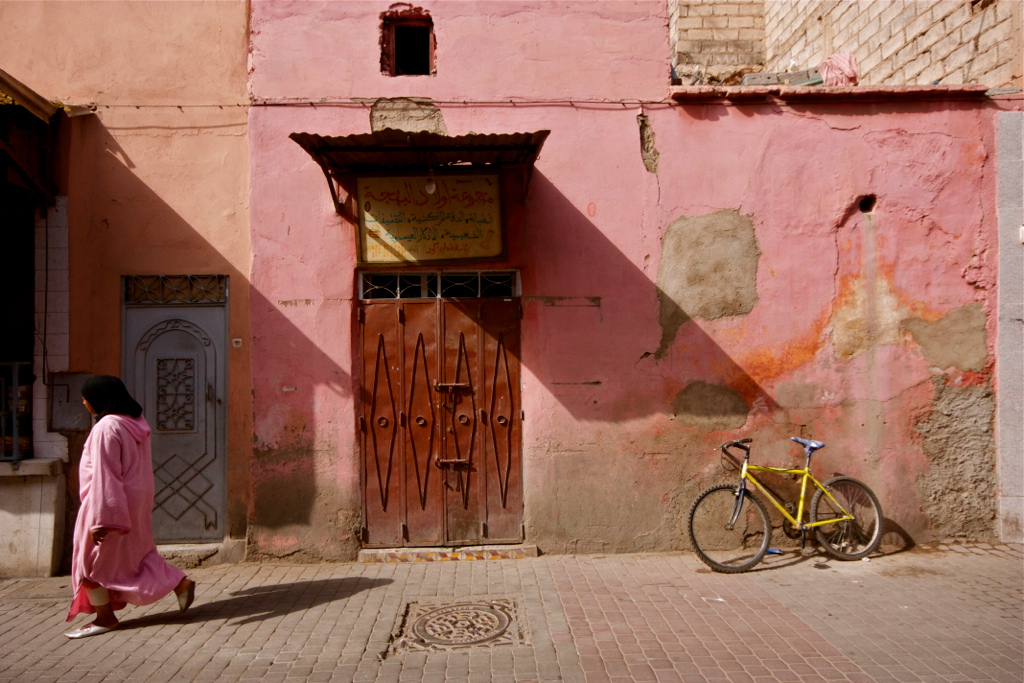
(730, 529)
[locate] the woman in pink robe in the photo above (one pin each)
(114, 561)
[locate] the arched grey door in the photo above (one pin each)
(175, 366)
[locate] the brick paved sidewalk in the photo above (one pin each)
(944, 614)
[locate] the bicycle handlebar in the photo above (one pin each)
(738, 443)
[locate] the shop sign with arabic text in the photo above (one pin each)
(400, 222)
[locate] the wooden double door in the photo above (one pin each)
(440, 422)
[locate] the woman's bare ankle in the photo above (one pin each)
(105, 617)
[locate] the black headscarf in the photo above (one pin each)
(108, 396)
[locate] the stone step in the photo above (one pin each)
(191, 555)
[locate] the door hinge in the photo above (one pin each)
(483, 529)
(405, 531)
(522, 416)
(362, 424)
(401, 419)
(364, 535)
(361, 316)
(401, 316)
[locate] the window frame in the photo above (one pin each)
(390, 21)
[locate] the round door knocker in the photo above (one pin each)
(502, 420)
(382, 421)
(463, 419)
(421, 421)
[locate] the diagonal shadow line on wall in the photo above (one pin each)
(599, 329)
(110, 207)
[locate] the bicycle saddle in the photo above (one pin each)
(809, 444)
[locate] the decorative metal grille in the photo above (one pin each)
(181, 486)
(474, 285)
(175, 394)
(453, 624)
(175, 289)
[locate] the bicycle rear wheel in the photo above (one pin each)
(851, 539)
(723, 548)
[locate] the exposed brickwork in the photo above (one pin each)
(896, 42)
(717, 40)
(901, 42)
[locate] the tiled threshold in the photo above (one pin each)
(476, 552)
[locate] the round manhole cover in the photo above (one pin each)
(463, 624)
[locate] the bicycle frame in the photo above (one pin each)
(805, 476)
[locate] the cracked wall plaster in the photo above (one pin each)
(708, 270)
(957, 340)
(648, 152)
(414, 115)
(710, 407)
(865, 317)
(958, 492)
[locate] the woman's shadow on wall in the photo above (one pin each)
(259, 603)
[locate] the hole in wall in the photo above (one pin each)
(867, 203)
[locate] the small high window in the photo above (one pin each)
(406, 42)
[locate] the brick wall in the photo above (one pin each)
(901, 42)
(717, 40)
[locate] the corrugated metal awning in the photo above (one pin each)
(390, 150)
(26, 120)
(13, 91)
(398, 150)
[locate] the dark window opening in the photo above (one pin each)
(412, 50)
(407, 43)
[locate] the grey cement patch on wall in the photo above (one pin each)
(708, 271)
(1010, 351)
(957, 491)
(957, 340)
(411, 114)
(648, 152)
(798, 395)
(710, 407)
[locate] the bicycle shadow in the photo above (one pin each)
(894, 540)
(263, 602)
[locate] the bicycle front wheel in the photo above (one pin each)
(725, 547)
(854, 538)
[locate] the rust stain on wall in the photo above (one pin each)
(768, 363)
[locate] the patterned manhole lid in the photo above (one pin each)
(451, 623)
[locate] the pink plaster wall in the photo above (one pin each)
(157, 177)
(607, 464)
